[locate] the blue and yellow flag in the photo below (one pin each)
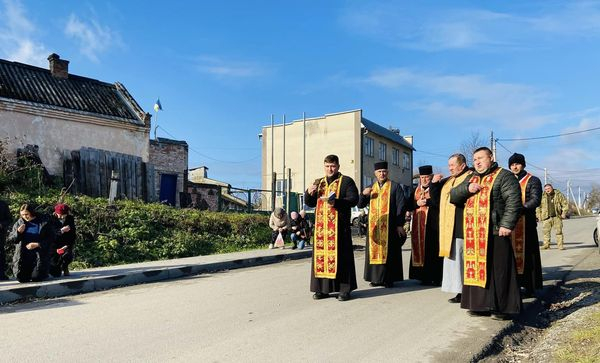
(157, 105)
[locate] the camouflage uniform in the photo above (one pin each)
(551, 211)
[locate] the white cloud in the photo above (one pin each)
(93, 38)
(226, 69)
(17, 36)
(467, 97)
(435, 29)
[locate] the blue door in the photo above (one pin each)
(168, 188)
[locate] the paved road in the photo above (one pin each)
(260, 314)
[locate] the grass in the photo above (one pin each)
(584, 343)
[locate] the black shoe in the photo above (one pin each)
(455, 299)
(294, 247)
(320, 295)
(388, 285)
(478, 313)
(343, 296)
(501, 316)
(375, 284)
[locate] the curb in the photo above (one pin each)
(86, 284)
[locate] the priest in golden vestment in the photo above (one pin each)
(334, 195)
(385, 232)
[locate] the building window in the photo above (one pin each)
(395, 156)
(406, 161)
(367, 181)
(382, 151)
(369, 146)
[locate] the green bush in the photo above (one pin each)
(132, 231)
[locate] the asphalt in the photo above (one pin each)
(98, 279)
(104, 278)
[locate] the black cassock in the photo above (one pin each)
(431, 271)
(392, 269)
(345, 280)
(531, 279)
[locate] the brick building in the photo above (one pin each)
(170, 160)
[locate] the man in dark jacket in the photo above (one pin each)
(5, 222)
(492, 200)
(525, 240)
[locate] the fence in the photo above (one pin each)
(92, 169)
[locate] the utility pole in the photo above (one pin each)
(283, 175)
(304, 155)
(273, 173)
(493, 145)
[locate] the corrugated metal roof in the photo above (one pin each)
(382, 131)
(33, 84)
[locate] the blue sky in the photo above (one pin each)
(441, 71)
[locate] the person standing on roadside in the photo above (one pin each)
(333, 257)
(451, 228)
(425, 262)
(526, 244)
(552, 210)
(385, 232)
(492, 204)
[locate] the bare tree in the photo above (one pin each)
(594, 196)
(471, 144)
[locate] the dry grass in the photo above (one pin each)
(584, 343)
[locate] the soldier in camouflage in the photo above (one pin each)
(551, 212)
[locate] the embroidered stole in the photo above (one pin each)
(518, 234)
(476, 230)
(326, 230)
(447, 214)
(379, 219)
(417, 237)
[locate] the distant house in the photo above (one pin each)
(358, 141)
(210, 194)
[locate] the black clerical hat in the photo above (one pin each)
(381, 165)
(425, 170)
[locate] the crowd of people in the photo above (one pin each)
(473, 233)
(43, 244)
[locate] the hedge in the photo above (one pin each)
(133, 231)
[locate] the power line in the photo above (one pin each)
(208, 157)
(550, 136)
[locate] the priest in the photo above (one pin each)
(425, 262)
(334, 195)
(385, 231)
(492, 204)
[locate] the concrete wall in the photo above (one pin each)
(339, 134)
(332, 134)
(55, 131)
